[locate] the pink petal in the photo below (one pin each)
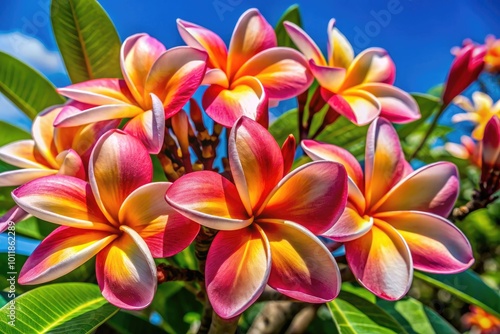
(149, 126)
(384, 160)
(322, 151)
(175, 76)
(338, 104)
(44, 134)
(330, 78)
(70, 116)
(282, 71)
(208, 199)
(137, 56)
(126, 272)
(165, 231)
(381, 261)
(288, 151)
(119, 164)
(301, 266)
(305, 43)
(246, 98)
(436, 245)
(491, 147)
(202, 38)
(99, 92)
(251, 35)
(237, 270)
(256, 163)
(313, 195)
(12, 216)
(358, 106)
(63, 200)
(397, 106)
(62, 251)
(433, 188)
(215, 76)
(370, 66)
(351, 225)
(21, 176)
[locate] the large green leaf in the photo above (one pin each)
(29, 90)
(35, 228)
(285, 125)
(411, 314)
(292, 14)
(11, 133)
(87, 39)
(127, 323)
(416, 318)
(353, 314)
(428, 105)
(58, 308)
(346, 134)
(467, 286)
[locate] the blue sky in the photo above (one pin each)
(417, 33)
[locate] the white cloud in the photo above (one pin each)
(9, 113)
(31, 51)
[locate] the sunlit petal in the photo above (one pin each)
(330, 78)
(208, 199)
(126, 272)
(371, 65)
(305, 43)
(98, 92)
(301, 266)
(381, 261)
(238, 266)
(64, 250)
(350, 226)
(340, 52)
(436, 245)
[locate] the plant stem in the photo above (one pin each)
(168, 273)
(429, 132)
(223, 326)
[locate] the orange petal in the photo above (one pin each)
(371, 65)
(304, 43)
(351, 225)
(340, 52)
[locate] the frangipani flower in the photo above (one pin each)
(157, 83)
(267, 220)
(253, 69)
(119, 216)
(479, 112)
(492, 57)
(468, 149)
(464, 70)
(51, 151)
(360, 88)
(394, 221)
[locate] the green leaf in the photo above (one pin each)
(416, 318)
(428, 105)
(62, 308)
(346, 134)
(29, 90)
(35, 228)
(285, 125)
(11, 133)
(354, 314)
(292, 14)
(127, 323)
(467, 286)
(87, 39)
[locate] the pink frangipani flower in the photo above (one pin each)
(157, 83)
(394, 221)
(267, 221)
(64, 151)
(119, 216)
(359, 88)
(252, 71)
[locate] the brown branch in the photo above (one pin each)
(275, 316)
(303, 319)
(168, 273)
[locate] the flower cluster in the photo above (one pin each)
(89, 169)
